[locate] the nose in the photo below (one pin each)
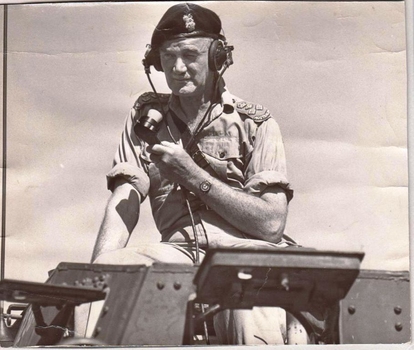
(179, 66)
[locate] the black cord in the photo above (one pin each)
(201, 125)
(190, 212)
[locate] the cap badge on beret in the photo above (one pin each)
(189, 22)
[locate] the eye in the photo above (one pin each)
(191, 55)
(166, 55)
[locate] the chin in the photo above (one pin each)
(186, 92)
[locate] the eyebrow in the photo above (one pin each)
(191, 48)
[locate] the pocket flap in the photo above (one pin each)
(220, 147)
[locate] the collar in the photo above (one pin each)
(227, 99)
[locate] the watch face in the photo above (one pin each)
(205, 186)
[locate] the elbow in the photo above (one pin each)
(274, 216)
(272, 230)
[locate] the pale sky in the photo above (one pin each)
(332, 74)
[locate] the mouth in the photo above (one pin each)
(181, 79)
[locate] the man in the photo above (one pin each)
(217, 178)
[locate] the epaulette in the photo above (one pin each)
(254, 111)
(150, 97)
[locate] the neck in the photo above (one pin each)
(195, 107)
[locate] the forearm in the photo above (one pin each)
(263, 217)
(111, 236)
(121, 216)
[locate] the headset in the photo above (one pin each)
(219, 56)
(219, 59)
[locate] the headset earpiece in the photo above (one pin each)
(152, 58)
(217, 55)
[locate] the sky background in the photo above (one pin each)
(333, 75)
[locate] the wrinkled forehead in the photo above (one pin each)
(200, 44)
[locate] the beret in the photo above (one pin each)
(186, 21)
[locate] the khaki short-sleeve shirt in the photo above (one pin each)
(243, 145)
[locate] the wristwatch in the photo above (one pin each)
(205, 186)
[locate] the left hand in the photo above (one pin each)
(172, 161)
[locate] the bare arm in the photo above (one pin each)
(121, 216)
(263, 217)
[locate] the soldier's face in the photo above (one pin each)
(185, 64)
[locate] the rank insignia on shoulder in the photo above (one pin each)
(150, 97)
(254, 111)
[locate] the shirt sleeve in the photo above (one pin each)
(128, 162)
(267, 165)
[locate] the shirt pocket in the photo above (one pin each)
(222, 152)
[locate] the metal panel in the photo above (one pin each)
(159, 313)
(144, 305)
(376, 309)
(47, 294)
(123, 281)
(298, 278)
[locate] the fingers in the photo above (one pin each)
(154, 149)
(167, 152)
(160, 148)
(157, 151)
(167, 144)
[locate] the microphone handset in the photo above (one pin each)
(148, 125)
